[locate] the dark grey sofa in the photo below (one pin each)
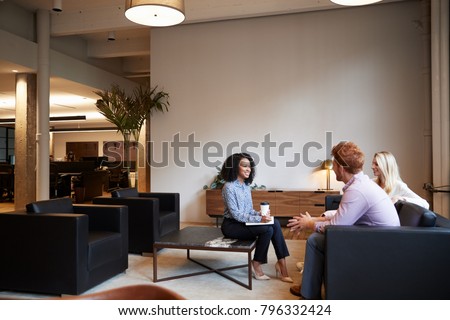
(151, 215)
(57, 248)
(407, 262)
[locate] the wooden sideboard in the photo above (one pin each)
(283, 203)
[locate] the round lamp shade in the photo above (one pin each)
(354, 2)
(161, 13)
(327, 164)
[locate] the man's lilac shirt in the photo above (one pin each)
(363, 203)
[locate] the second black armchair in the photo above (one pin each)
(406, 262)
(151, 215)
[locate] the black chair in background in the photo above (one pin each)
(151, 215)
(6, 181)
(54, 181)
(117, 178)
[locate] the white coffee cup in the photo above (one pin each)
(264, 208)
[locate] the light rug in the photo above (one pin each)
(203, 287)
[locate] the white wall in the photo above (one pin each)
(356, 73)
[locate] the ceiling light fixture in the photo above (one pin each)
(162, 13)
(57, 5)
(354, 2)
(111, 36)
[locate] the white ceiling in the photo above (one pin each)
(92, 20)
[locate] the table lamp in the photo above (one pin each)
(327, 165)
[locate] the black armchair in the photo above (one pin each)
(332, 202)
(407, 262)
(59, 248)
(151, 215)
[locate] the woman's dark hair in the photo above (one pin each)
(230, 168)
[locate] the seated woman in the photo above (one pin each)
(387, 176)
(238, 171)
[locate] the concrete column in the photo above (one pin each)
(25, 141)
(43, 88)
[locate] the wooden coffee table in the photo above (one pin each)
(207, 239)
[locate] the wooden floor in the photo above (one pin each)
(288, 235)
(6, 206)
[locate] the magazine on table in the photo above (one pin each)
(259, 223)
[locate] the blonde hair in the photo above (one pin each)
(389, 173)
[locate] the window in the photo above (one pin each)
(6, 144)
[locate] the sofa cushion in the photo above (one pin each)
(413, 215)
(442, 222)
(125, 192)
(60, 205)
(103, 247)
(332, 202)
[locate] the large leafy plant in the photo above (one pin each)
(129, 112)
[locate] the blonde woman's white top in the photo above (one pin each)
(401, 190)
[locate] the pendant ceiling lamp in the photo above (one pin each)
(354, 2)
(162, 13)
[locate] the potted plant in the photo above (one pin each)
(217, 183)
(129, 112)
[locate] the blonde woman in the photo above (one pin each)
(387, 176)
